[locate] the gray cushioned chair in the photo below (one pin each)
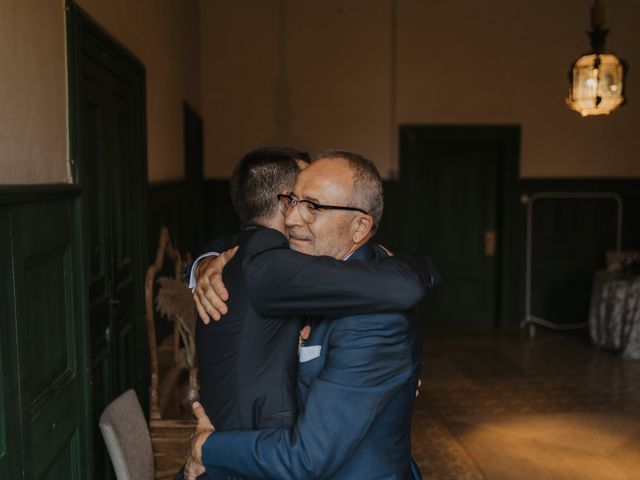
(126, 435)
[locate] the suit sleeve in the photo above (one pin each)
(281, 282)
(366, 368)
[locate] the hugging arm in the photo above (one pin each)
(211, 248)
(281, 282)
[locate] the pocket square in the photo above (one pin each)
(309, 353)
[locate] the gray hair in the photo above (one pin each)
(367, 183)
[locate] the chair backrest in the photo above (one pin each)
(126, 435)
(165, 251)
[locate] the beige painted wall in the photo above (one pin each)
(500, 61)
(307, 78)
(457, 62)
(33, 93)
(163, 34)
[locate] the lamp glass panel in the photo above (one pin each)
(592, 80)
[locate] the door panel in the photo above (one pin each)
(50, 359)
(101, 389)
(94, 154)
(126, 353)
(53, 434)
(93, 146)
(4, 457)
(109, 132)
(49, 336)
(65, 467)
(451, 211)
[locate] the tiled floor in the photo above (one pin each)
(505, 407)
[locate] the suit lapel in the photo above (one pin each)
(365, 252)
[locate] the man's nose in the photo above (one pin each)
(292, 218)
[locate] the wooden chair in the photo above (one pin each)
(172, 374)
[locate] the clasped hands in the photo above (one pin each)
(194, 466)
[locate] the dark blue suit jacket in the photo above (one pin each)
(247, 360)
(357, 379)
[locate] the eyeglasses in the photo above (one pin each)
(309, 210)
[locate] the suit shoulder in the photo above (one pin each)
(259, 239)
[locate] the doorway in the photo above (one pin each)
(459, 195)
(108, 152)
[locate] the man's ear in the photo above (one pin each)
(362, 226)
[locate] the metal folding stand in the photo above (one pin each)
(530, 321)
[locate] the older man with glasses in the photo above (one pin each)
(357, 375)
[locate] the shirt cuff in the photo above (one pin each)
(194, 266)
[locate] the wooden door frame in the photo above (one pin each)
(77, 21)
(508, 225)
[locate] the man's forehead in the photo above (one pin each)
(321, 181)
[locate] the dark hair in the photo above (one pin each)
(259, 176)
(367, 184)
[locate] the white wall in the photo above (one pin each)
(457, 62)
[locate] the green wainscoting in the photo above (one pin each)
(10, 432)
(220, 216)
(220, 219)
(44, 409)
(570, 238)
(46, 423)
(170, 205)
(191, 222)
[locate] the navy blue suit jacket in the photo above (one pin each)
(356, 387)
(247, 360)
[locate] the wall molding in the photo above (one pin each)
(13, 194)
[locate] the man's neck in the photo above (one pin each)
(275, 223)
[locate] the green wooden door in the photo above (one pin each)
(450, 211)
(110, 164)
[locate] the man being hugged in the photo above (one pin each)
(357, 374)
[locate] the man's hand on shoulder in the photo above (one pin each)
(210, 293)
(204, 428)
